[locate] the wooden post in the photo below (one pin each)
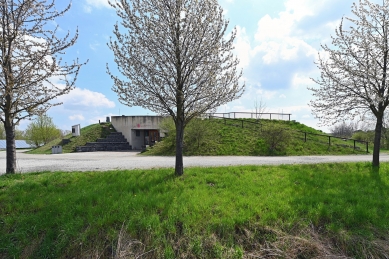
(354, 144)
(305, 137)
(329, 140)
(367, 147)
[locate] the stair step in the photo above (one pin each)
(103, 148)
(114, 142)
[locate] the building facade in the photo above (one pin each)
(139, 131)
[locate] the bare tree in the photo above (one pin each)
(259, 108)
(344, 130)
(64, 133)
(354, 73)
(29, 53)
(175, 58)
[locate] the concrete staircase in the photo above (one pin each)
(115, 141)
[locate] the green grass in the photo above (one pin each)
(222, 212)
(88, 134)
(227, 137)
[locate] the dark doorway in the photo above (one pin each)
(151, 136)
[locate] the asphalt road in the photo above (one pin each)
(103, 161)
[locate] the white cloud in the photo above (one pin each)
(278, 54)
(301, 8)
(242, 47)
(22, 125)
(277, 37)
(98, 3)
(266, 94)
(300, 81)
(240, 108)
(90, 4)
(77, 117)
(94, 46)
(87, 8)
(288, 50)
(101, 118)
(277, 28)
(291, 109)
(278, 57)
(84, 99)
(285, 24)
(253, 93)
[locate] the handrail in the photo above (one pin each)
(251, 114)
(305, 133)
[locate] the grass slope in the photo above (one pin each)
(227, 137)
(88, 134)
(289, 211)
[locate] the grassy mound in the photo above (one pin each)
(294, 211)
(88, 134)
(253, 137)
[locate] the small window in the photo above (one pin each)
(137, 133)
(146, 133)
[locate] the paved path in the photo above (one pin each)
(102, 161)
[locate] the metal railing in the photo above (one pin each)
(344, 139)
(241, 123)
(252, 115)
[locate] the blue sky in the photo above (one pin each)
(277, 43)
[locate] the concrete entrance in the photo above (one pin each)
(138, 130)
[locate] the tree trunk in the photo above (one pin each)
(179, 148)
(377, 142)
(11, 148)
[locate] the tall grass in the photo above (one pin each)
(227, 212)
(228, 137)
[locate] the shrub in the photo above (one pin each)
(198, 135)
(364, 136)
(277, 138)
(41, 131)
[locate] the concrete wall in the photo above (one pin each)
(137, 141)
(128, 125)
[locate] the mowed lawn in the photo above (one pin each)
(287, 211)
